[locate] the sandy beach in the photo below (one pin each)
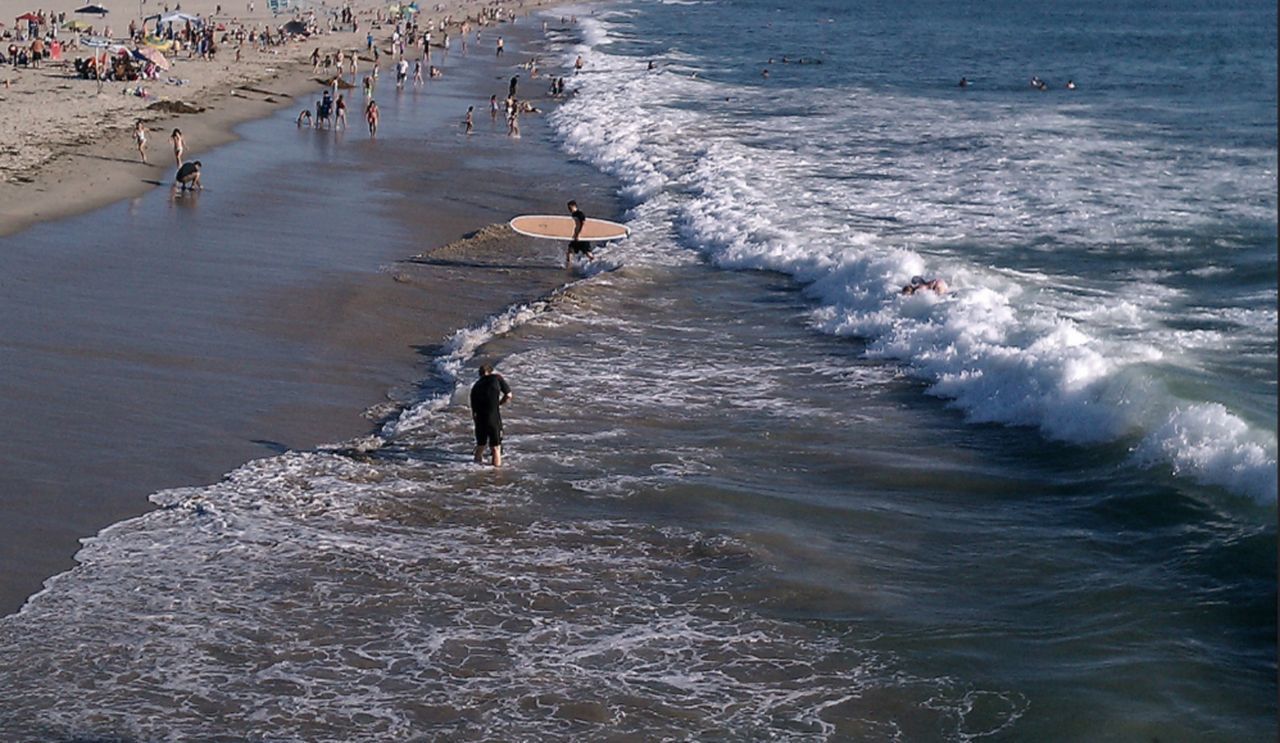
(68, 144)
(162, 341)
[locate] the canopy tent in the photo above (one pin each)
(28, 17)
(297, 28)
(180, 17)
(92, 10)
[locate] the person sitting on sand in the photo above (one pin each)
(189, 176)
(918, 283)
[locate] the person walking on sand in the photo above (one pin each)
(371, 116)
(577, 246)
(140, 138)
(178, 146)
(488, 394)
(469, 123)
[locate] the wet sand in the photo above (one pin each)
(162, 341)
(69, 145)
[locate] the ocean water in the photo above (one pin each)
(752, 492)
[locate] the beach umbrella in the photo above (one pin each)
(76, 26)
(153, 56)
(95, 42)
(92, 10)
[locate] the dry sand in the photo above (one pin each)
(66, 147)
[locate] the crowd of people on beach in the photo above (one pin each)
(404, 37)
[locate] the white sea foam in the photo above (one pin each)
(311, 597)
(854, 217)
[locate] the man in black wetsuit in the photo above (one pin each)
(488, 394)
(576, 245)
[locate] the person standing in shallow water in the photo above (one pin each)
(488, 394)
(577, 246)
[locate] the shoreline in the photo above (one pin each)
(164, 342)
(91, 171)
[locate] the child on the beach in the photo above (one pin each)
(178, 146)
(140, 138)
(469, 122)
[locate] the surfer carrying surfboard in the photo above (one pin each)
(576, 246)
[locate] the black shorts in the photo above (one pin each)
(580, 246)
(488, 433)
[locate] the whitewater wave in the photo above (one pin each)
(853, 222)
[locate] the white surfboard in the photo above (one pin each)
(560, 227)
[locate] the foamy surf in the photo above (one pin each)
(852, 192)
